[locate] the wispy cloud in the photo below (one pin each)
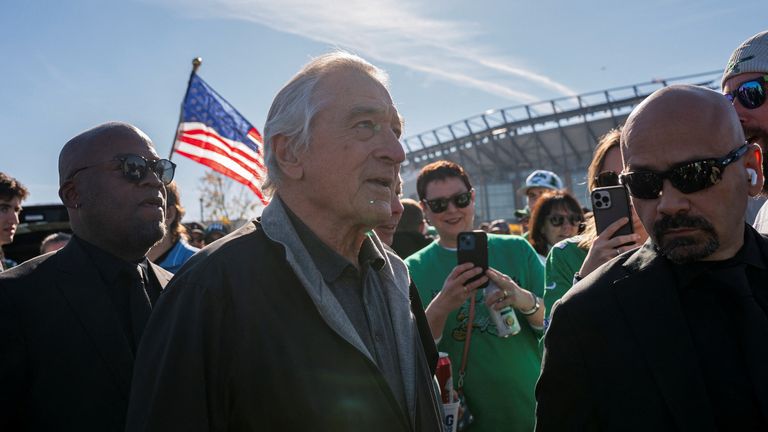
(55, 73)
(389, 31)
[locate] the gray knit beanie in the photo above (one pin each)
(750, 56)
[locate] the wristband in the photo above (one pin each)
(534, 309)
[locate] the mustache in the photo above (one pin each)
(757, 131)
(680, 221)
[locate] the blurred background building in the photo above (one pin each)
(500, 147)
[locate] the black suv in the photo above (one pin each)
(35, 223)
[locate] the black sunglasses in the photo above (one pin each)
(606, 178)
(751, 94)
(460, 200)
(688, 177)
(135, 168)
(559, 220)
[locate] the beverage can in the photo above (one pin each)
(505, 320)
(445, 378)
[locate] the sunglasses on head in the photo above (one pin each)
(606, 178)
(439, 205)
(558, 220)
(135, 168)
(688, 177)
(751, 94)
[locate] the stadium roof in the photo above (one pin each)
(557, 133)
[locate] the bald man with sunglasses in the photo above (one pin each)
(745, 84)
(671, 336)
(70, 321)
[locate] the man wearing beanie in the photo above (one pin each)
(744, 83)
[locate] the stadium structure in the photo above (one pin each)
(501, 147)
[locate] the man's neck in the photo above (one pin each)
(119, 252)
(342, 237)
(161, 248)
(735, 241)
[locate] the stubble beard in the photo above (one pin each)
(685, 249)
(141, 236)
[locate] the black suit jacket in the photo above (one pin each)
(619, 355)
(237, 344)
(65, 363)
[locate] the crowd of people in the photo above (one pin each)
(328, 312)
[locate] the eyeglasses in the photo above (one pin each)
(460, 200)
(135, 168)
(558, 220)
(688, 177)
(607, 178)
(751, 94)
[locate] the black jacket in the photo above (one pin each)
(237, 344)
(65, 363)
(619, 356)
(407, 243)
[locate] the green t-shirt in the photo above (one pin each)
(564, 260)
(501, 372)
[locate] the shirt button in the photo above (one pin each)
(378, 337)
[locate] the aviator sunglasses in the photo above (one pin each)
(460, 200)
(135, 168)
(687, 177)
(751, 94)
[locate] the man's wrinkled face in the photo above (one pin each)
(386, 231)
(354, 155)
(9, 219)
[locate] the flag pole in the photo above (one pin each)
(196, 62)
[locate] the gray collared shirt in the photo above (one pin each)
(360, 294)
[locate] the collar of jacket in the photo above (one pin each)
(395, 282)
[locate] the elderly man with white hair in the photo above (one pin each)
(300, 320)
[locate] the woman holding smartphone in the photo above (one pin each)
(501, 370)
(573, 259)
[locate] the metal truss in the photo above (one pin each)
(504, 145)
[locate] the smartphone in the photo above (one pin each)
(610, 204)
(473, 247)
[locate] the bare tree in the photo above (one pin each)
(225, 200)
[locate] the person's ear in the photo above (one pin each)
(425, 211)
(69, 195)
(753, 164)
(286, 157)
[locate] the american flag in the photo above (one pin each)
(213, 133)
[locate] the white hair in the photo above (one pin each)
(295, 106)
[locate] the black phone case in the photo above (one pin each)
(610, 204)
(472, 246)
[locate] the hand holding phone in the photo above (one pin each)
(472, 247)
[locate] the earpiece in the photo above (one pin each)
(752, 176)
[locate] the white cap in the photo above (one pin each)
(541, 178)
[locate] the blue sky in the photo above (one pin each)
(69, 65)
